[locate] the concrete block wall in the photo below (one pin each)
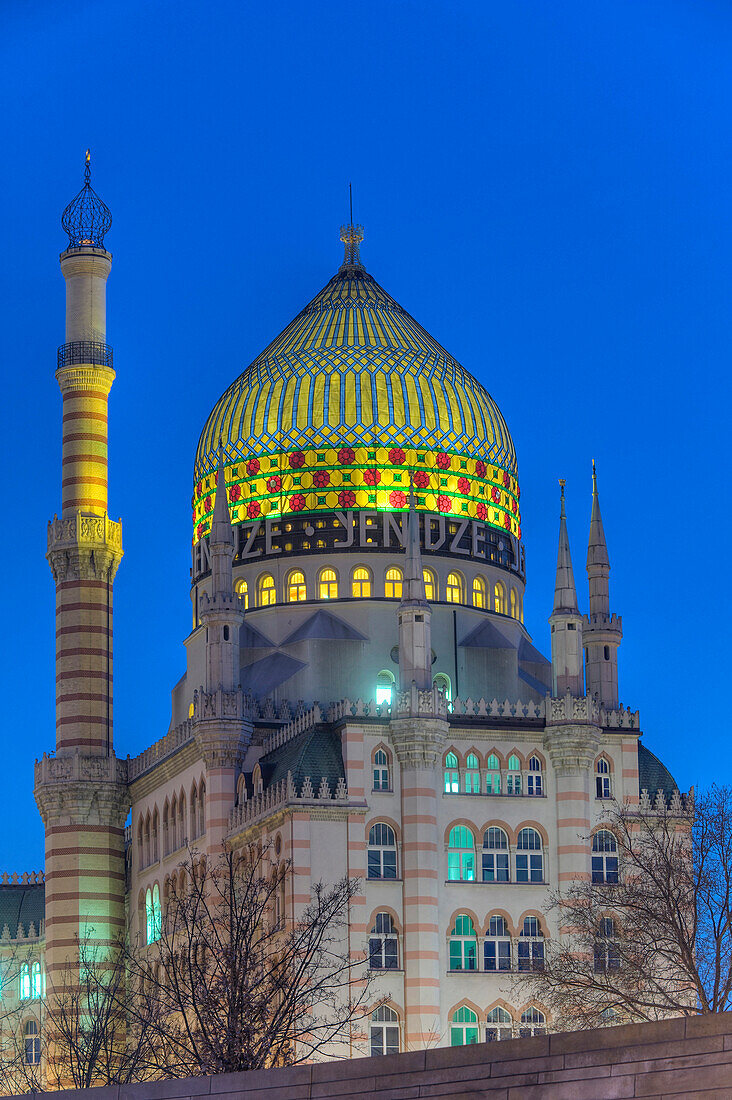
(658, 1061)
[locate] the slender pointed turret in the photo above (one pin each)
(602, 632)
(221, 612)
(415, 635)
(221, 539)
(565, 619)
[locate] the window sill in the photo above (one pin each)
(383, 879)
(498, 794)
(479, 882)
(382, 790)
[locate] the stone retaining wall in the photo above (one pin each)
(676, 1058)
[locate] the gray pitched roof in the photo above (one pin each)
(263, 676)
(316, 752)
(325, 625)
(22, 904)
(486, 636)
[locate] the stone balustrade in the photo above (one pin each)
(76, 768)
(285, 793)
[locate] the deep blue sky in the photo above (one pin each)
(545, 186)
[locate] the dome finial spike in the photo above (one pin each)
(351, 235)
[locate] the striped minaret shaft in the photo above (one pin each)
(82, 790)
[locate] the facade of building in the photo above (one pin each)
(360, 689)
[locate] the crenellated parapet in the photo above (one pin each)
(83, 547)
(77, 787)
(314, 794)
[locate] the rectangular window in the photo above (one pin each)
(497, 955)
(529, 867)
(493, 783)
(495, 866)
(533, 784)
(513, 783)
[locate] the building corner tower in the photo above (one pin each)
(601, 631)
(81, 791)
(565, 620)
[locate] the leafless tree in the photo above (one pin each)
(655, 938)
(241, 984)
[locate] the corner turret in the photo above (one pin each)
(565, 620)
(415, 634)
(221, 612)
(601, 631)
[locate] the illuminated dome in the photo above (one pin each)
(352, 398)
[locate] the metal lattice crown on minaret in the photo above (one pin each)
(86, 219)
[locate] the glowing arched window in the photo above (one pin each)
(463, 944)
(149, 919)
(383, 944)
(499, 598)
(497, 946)
(36, 989)
(604, 857)
(533, 1022)
(266, 592)
(157, 914)
(361, 582)
(499, 1025)
(384, 686)
(382, 779)
(514, 604)
(328, 585)
(452, 775)
(464, 1028)
(381, 853)
(478, 592)
(31, 1043)
(513, 779)
(241, 589)
(384, 1031)
(531, 945)
(534, 783)
(461, 855)
(393, 584)
(493, 775)
(202, 809)
(495, 855)
(454, 588)
(442, 682)
(529, 857)
(472, 774)
(24, 990)
(296, 589)
(430, 585)
(603, 788)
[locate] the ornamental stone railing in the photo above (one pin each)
(222, 704)
(571, 709)
(159, 750)
(84, 531)
(76, 768)
(675, 801)
(283, 794)
(27, 878)
(469, 708)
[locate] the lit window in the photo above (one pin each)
(31, 1043)
(328, 585)
(430, 585)
(531, 945)
(361, 582)
(381, 771)
(241, 589)
(464, 1028)
(513, 779)
(384, 1032)
(529, 857)
(478, 592)
(393, 584)
(499, 598)
(36, 990)
(24, 991)
(514, 604)
(533, 1022)
(442, 683)
(472, 774)
(384, 687)
(296, 590)
(604, 857)
(461, 855)
(463, 944)
(497, 946)
(452, 776)
(493, 775)
(454, 588)
(602, 779)
(534, 779)
(381, 852)
(383, 944)
(499, 1025)
(606, 954)
(266, 590)
(495, 855)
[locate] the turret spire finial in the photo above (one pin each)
(351, 235)
(86, 219)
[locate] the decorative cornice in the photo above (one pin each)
(84, 547)
(419, 742)
(87, 376)
(82, 789)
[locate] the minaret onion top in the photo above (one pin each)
(86, 219)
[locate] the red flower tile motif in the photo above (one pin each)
(519, 534)
(296, 461)
(297, 502)
(321, 478)
(396, 456)
(372, 477)
(253, 466)
(274, 484)
(443, 460)
(397, 498)
(496, 495)
(194, 516)
(346, 498)
(507, 521)
(463, 485)
(207, 503)
(235, 493)
(254, 509)
(506, 478)
(444, 504)
(480, 470)
(514, 505)
(421, 479)
(481, 511)
(201, 530)
(346, 456)
(199, 488)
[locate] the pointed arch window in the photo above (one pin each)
(454, 588)
(266, 591)
(513, 779)
(383, 944)
(384, 1031)
(497, 945)
(328, 584)
(464, 1028)
(382, 777)
(24, 985)
(202, 808)
(463, 944)
(534, 785)
(531, 945)
(493, 775)
(296, 587)
(381, 855)
(529, 856)
(495, 855)
(393, 584)
(606, 953)
(603, 788)
(36, 981)
(604, 857)
(514, 604)
(461, 855)
(361, 582)
(472, 774)
(478, 592)
(500, 1025)
(533, 1022)
(430, 585)
(452, 775)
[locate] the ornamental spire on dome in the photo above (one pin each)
(565, 592)
(86, 219)
(351, 235)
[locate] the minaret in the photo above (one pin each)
(601, 631)
(565, 619)
(222, 728)
(415, 635)
(82, 791)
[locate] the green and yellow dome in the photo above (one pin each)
(345, 404)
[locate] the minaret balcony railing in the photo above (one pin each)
(80, 352)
